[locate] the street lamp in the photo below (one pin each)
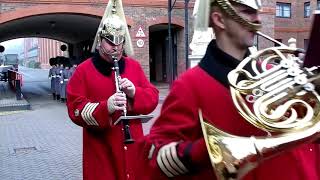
(186, 30)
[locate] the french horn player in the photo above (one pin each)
(224, 91)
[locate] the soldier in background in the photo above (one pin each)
(58, 72)
(74, 63)
(65, 76)
(52, 76)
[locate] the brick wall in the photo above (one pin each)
(145, 13)
(297, 26)
(139, 13)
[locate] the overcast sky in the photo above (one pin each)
(14, 46)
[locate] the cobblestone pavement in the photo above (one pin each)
(40, 144)
(43, 143)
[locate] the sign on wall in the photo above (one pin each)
(140, 43)
(140, 33)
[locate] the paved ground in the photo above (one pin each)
(42, 143)
(8, 99)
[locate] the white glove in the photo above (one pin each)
(61, 82)
(116, 102)
(127, 87)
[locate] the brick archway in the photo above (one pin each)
(22, 12)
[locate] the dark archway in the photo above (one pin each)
(159, 52)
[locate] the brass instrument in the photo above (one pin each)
(280, 99)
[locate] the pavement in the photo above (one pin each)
(42, 143)
(8, 100)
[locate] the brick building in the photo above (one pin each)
(40, 50)
(75, 23)
(294, 20)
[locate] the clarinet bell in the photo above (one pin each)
(127, 134)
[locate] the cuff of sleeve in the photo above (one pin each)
(194, 154)
(102, 115)
(199, 153)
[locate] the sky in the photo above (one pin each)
(14, 46)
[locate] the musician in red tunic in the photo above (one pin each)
(94, 103)
(176, 148)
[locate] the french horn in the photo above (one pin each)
(274, 92)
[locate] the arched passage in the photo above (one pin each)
(160, 70)
(64, 22)
(73, 24)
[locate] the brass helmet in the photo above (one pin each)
(113, 27)
(113, 30)
(202, 10)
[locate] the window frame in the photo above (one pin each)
(280, 11)
(307, 12)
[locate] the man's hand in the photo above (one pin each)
(127, 87)
(116, 102)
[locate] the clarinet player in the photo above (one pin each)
(94, 101)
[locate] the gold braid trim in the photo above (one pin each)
(226, 6)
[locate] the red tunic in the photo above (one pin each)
(179, 122)
(105, 156)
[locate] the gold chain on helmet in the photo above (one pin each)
(226, 6)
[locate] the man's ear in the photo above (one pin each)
(217, 20)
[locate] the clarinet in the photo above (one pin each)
(125, 122)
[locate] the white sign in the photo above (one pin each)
(140, 43)
(140, 33)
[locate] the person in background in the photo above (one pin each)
(74, 63)
(65, 76)
(58, 72)
(52, 76)
(95, 103)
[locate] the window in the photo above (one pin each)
(318, 5)
(307, 9)
(283, 10)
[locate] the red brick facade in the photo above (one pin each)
(151, 15)
(41, 50)
(297, 26)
